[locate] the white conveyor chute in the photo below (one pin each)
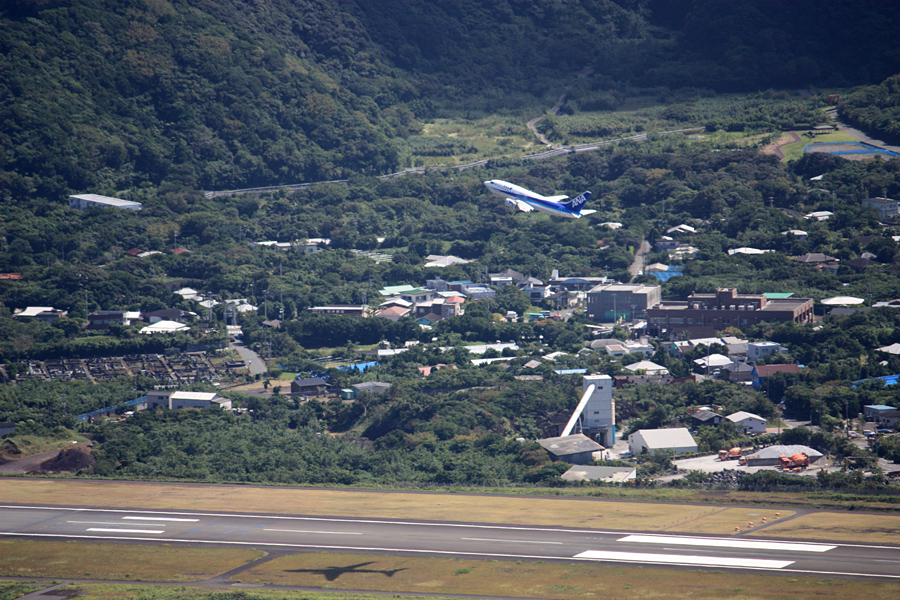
(579, 409)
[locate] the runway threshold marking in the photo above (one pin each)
(726, 543)
(693, 561)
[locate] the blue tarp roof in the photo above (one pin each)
(100, 411)
(885, 380)
(672, 272)
(359, 366)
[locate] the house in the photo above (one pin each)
(738, 372)
(607, 474)
(822, 215)
(83, 201)
(874, 412)
(428, 370)
(312, 386)
(179, 400)
(814, 258)
(678, 440)
(393, 313)
(887, 208)
(440, 308)
(170, 314)
(437, 260)
(712, 363)
(797, 233)
(758, 350)
(535, 289)
(760, 372)
(372, 387)
(48, 314)
(576, 448)
(102, 319)
(344, 310)
(164, 327)
(711, 313)
(666, 243)
(610, 303)
(706, 417)
(648, 367)
(748, 422)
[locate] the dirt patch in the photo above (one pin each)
(775, 147)
(70, 459)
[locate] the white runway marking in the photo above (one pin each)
(510, 541)
(693, 561)
(726, 543)
(322, 532)
(126, 530)
(161, 519)
(98, 523)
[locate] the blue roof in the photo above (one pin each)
(880, 407)
(359, 366)
(885, 380)
(676, 271)
(100, 411)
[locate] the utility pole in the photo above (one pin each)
(266, 295)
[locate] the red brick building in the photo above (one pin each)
(706, 314)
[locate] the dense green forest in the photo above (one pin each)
(875, 108)
(117, 96)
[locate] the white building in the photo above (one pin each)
(653, 440)
(83, 201)
(600, 411)
(758, 350)
(748, 422)
(178, 400)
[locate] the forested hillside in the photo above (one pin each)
(875, 108)
(106, 96)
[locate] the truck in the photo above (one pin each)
(795, 462)
(734, 454)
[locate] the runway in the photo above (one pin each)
(500, 542)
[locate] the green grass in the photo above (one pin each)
(795, 151)
(29, 445)
(10, 590)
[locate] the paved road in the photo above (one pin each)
(500, 542)
(253, 361)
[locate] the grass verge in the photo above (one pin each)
(544, 580)
(88, 560)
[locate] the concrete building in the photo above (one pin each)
(344, 310)
(758, 350)
(102, 319)
(705, 314)
(372, 387)
(83, 201)
(576, 448)
(887, 208)
(178, 400)
(678, 440)
(610, 302)
(748, 422)
(600, 411)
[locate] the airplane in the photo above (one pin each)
(527, 201)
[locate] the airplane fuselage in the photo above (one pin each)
(526, 200)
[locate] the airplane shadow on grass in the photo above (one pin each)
(332, 573)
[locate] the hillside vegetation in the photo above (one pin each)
(101, 96)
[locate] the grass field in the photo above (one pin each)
(444, 576)
(795, 151)
(544, 580)
(29, 445)
(88, 560)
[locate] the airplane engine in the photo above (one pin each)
(511, 202)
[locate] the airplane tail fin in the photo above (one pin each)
(576, 204)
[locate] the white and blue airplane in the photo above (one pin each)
(527, 201)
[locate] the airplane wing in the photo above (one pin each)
(523, 206)
(587, 211)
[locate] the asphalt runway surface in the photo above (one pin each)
(412, 538)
